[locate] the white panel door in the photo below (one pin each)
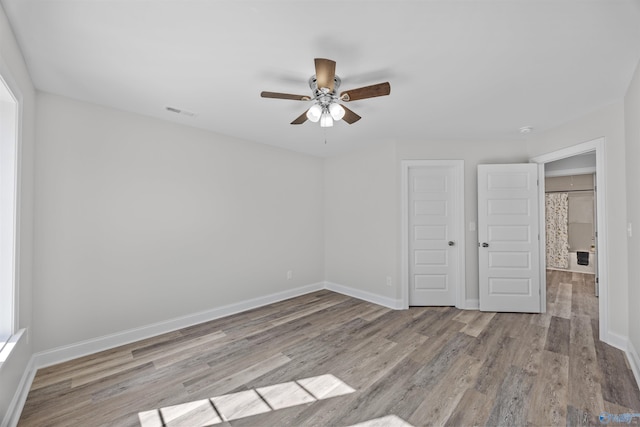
(433, 256)
(508, 236)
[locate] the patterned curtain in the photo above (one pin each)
(557, 218)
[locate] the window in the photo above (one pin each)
(8, 204)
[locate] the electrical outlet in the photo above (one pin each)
(289, 274)
(389, 281)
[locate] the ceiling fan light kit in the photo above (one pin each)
(326, 121)
(326, 106)
(336, 111)
(314, 113)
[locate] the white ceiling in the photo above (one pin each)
(458, 69)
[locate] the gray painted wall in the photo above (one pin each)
(632, 132)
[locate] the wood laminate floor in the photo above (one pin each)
(325, 359)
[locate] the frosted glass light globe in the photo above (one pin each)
(336, 110)
(314, 113)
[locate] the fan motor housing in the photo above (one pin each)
(323, 96)
(313, 84)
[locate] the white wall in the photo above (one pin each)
(129, 214)
(361, 205)
(607, 122)
(14, 70)
(632, 135)
(360, 193)
(140, 220)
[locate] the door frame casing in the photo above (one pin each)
(597, 145)
(459, 212)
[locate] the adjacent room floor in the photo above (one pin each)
(328, 359)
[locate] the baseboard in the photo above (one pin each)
(84, 348)
(364, 295)
(634, 361)
(472, 304)
(20, 397)
(624, 344)
(94, 345)
(618, 341)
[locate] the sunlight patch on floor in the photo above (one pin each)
(239, 405)
(388, 421)
(284, 395)
(200, 412)
(247, 403)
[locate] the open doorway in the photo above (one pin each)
(570, 215)
(582, 159)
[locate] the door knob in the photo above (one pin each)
(485, 245)
(451, 243)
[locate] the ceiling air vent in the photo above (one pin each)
(181, 112)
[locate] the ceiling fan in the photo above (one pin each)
(324, 88)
